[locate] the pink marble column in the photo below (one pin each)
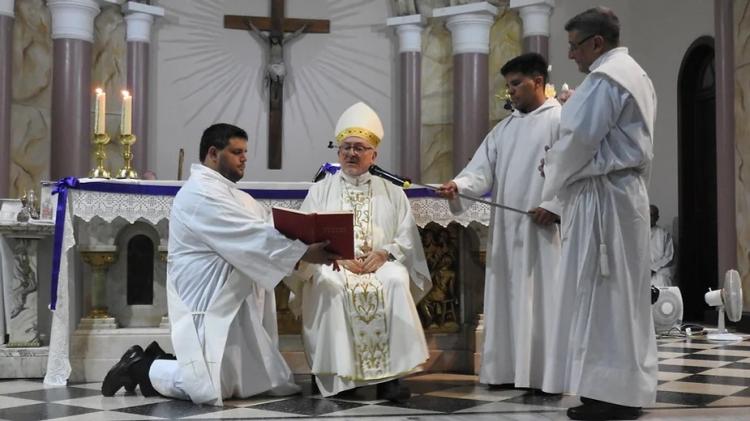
(470, 32)
(725, 143)
(6, 91)
(537, 44)
(409, 30)
(73, 36)
(535, 15)
(139, 18)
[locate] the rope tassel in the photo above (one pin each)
(603, 260)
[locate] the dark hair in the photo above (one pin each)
(653, 209)
(218, 136)
(529, 64)
(600, 21)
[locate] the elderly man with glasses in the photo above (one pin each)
(360, 324)
(600, 169)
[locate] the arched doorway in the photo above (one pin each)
(697, 263)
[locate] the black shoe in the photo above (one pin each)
(598, 410)
(314, 389)
(138, 371)
(540, 392)
(501, 386)
(119, 375)
(348, 393)
(153, 350)
(588, 400)
(393, 391)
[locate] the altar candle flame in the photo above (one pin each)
(126, 122)
(100, 113)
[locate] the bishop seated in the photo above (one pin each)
(360, 324)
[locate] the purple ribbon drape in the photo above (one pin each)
(61, 188)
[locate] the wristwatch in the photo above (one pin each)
(391, 257)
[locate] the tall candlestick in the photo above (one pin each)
(127, 104)
(100, 113)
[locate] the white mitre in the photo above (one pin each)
(361, 121)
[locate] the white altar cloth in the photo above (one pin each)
(151, 201)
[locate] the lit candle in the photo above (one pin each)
(127, 104)
(100, 113)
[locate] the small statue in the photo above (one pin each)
(29, 209)
(23, 214)
(32, 206)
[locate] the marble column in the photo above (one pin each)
(409, 30)
(163, 254)
(535, 15)
(6, 91)
(73, 36)
(469, 25)
(725, 143)
(139, 18)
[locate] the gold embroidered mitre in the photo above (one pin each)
(361, 121)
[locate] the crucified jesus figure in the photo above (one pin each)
(275, 69)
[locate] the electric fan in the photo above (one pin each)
(667, 309)
(729, 301)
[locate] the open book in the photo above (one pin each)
(336, 227)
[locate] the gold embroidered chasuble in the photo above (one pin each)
(365, 303)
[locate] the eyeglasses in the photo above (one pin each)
(576, 45)
(358, 149)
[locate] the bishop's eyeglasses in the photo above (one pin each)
(358, 149)
(573, 46)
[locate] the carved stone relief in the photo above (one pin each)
(440, 309)
(31, 102)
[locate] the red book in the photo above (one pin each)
(336, 227)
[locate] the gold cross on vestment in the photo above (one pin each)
(366, 248)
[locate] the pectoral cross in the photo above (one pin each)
(276, 31)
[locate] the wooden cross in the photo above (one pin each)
(276, 26)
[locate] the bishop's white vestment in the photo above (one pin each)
(521, 286)
(224, 260)
(600, 169)
(364, 329)
(662, 253)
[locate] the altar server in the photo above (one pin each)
(521, 285)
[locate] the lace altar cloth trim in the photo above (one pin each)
(108, 206)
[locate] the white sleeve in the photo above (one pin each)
(478, 176)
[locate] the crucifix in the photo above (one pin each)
(276, 30)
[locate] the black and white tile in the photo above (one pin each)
(698, 379)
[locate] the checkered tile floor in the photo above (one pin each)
(697, 379)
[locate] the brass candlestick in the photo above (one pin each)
(100, 140)
(127, 171)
